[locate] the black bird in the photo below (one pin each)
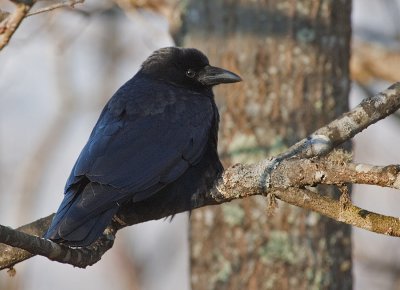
(154, 147)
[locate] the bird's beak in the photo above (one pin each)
(211, 75)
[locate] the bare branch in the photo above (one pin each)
(70, 3)
(345, 127)
(9, 25)
(346, 213)
(10, 256)
(3, 15)
(310, 172)
(241, 181)
(79, 257)
(10, 22)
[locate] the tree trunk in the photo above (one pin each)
(293, 57)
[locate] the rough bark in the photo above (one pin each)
(293, 57)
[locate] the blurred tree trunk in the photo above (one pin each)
(293, 57)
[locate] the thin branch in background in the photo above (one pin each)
(70, 4)
(125, 264)
(372, 61)
(155, 5)
(3, 16)
(11, 22)
(38, 161)
(170, 9)
(9, 25)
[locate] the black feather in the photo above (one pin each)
(151, 139)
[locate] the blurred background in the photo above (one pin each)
(56, 75)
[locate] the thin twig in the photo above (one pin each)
(11, 23)
(70, 3)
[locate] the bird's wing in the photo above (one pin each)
(139, 146)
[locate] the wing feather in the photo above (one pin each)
(152, 140)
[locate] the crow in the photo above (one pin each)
(153, 148)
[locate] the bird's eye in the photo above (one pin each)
(190, 73)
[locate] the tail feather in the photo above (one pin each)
(79, 222)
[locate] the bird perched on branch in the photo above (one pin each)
(155, 144)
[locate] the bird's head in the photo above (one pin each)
(186, 67)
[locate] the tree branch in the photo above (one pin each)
(368, 112)
(10, 24)
(342, 212)
(9, 255)
(70, 3)
(79, 257)
(333, 170)
(285, 176)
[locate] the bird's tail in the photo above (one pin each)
(79, 222)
